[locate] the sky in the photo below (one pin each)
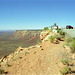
(36, 14)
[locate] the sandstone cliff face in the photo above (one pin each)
(44, 34)
(26, 34)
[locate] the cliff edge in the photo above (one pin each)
(41, 59)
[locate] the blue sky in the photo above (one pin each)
(36, 14)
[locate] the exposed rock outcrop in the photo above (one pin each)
(45, 35)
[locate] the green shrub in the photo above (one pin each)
(62, 33)
(67, 44)
(46, 28)
(65, 70)
(1, 71)
(58, 30)
(72, 46)
(51, 39)
(71, 42)
(65, 61)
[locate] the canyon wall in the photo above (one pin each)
(26, 34)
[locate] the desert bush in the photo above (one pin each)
(71, 43)
(57, 36)
(51, 39)
(46, 28)
(65, 70)
(58, 30)
(7, 65)
(1, 71)
(63, 36)
(65, 61)
(72, 46)
(62, 33)
(67, 44)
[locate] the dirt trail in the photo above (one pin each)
(43, 60)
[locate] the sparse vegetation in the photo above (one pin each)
(69, 39)
(1, 71)
(51, 39)
(67, 44)
(58, 30)
(71, 43)
(45, 40)
(65, 70)
(72, 46)
(65, 61)
(57, 36)
(7, 65)
(62, 33)
(25, 53)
